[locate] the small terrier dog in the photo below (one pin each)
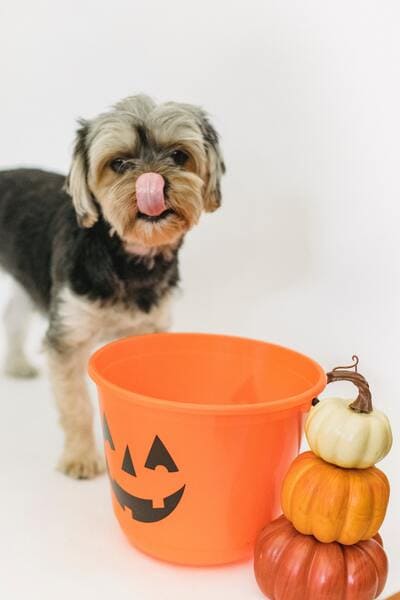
(105, 264)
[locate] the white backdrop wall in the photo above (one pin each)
(306, 97)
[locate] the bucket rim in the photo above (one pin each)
(300, 402)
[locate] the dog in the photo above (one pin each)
(97, 251)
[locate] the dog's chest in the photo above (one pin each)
(86, 319)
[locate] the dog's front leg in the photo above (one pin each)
(67, 371)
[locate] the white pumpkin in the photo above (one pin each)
(344, 437)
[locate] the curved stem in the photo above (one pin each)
(353, 366)
(363, 402)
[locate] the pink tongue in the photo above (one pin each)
(150, 194)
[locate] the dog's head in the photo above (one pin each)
(149, 169)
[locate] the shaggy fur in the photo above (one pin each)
(96, 266)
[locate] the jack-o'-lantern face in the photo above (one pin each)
(146, 510)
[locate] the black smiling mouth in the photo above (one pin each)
(142, 509)
(156, 218)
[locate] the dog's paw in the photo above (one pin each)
(20, 368)
(82, 467)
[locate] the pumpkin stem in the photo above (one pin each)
(363, 402)
(353, 366)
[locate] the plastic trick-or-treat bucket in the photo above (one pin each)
(199, 431)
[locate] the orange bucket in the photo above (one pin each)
(199, 432)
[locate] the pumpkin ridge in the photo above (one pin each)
(367, 441)
(381, 475)
(380, 495)
(345, 570)
(335, 425)
(281, 564)
(388, 438)
(344, 482)
(309, 500)
(293, 477)
(267, 531)
(321, 548)
(372, 525)
(307, 584)
(356, 480)
(316, 509)
(337, 492)
(306, 508)
(370, 559)
(329, 510)
(277, 558)
(272, 533)
(375, 555)
(362, 563)
(315, 424)
(290, 552)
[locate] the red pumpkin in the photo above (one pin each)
(289, 565)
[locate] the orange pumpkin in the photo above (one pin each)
(290, 566)
(334, 504)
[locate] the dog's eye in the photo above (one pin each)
(120, 165)
(179, 157)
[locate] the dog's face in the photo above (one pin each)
(150, 170)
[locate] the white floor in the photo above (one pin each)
(59, 538)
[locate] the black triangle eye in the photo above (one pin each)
(127, 464)
(159, 455)
(107, 434)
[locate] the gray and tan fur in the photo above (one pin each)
(96, 266)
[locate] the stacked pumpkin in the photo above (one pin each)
(326, 545)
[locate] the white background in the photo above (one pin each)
(304, 252)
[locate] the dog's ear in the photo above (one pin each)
(76, 184)
(215, 166)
